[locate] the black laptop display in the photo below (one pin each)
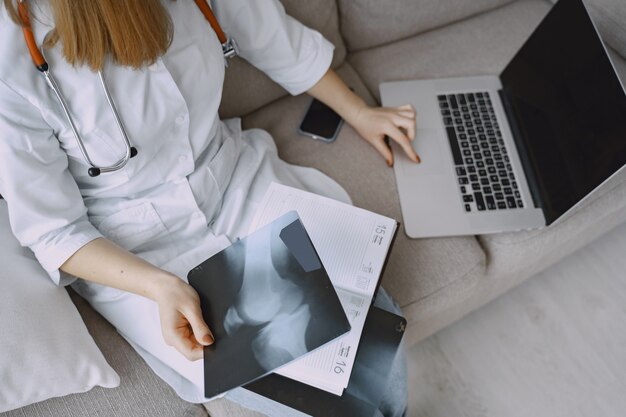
(567, 107)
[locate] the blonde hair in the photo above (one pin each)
(133, 32)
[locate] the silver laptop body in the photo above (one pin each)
(430, 193)
(440, 197)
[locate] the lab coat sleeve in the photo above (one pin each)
(291, 54)
(46, 210)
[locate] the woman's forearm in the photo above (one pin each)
(332, 91)
(103, 262)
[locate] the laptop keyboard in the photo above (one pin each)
(484, 173)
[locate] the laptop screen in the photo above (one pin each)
(569, 108)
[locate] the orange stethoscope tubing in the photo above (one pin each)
(229, 48)
(208, 14)
(34, 51)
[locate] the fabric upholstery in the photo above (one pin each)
(370, 23)
(45, 349)
(477, 46)
(247, 89)
(416, 268)
(140, 394)
(224, 407)
(610, 18)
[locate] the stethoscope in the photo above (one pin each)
(229, 48)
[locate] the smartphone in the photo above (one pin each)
(320, 122)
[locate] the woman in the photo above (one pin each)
(131, 235)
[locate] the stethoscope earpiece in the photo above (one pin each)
(133, 152)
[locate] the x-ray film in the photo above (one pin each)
(268, 301)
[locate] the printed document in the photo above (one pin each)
(352, 244)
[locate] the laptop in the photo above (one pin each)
(519, 150)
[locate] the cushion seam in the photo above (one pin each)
(435, 28)
(481, 263)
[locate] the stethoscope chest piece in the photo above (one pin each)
(95, 171)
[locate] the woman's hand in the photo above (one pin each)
(398, 123)
(181, 319)
(103, 262)
(372, 123)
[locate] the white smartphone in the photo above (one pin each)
(320, 122)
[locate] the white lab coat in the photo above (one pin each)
(192, 187)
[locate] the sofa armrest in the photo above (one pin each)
(369, 23)
(247, 89)
(610, 19)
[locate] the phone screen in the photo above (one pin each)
(321, 121)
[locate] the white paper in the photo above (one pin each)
(352, 244)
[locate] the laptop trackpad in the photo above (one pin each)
(427, 144)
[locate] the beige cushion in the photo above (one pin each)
(247, 89)
(140, 394)
(416, 268)
(610, 18)
(45, 349)
(369, 23)
(476, 46)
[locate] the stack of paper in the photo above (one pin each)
(353, 244)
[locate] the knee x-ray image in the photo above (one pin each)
(268, 301)
(373, 367)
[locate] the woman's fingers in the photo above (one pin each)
(182, 338)
(201, 331)
(384, 150)
(396, 134)
(407, 124)
(182, 324)
(407, 109)
(185, 343)
(177, 336)
(398, 123)
(405, 120)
